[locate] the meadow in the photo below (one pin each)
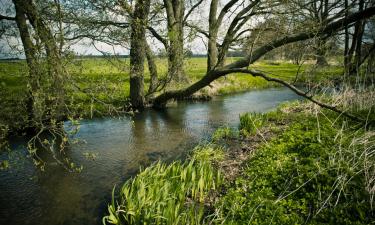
(100, 86)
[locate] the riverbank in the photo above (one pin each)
(298, 164)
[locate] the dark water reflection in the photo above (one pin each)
(29, 196)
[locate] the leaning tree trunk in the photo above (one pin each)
(137, 53)
(161, 100)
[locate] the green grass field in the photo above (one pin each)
(98, 86)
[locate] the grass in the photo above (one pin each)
(317, 170)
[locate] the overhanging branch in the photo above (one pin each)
(299, 92)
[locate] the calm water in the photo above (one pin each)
(29, 196)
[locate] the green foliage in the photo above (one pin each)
(223, 133)
(208, 153)
(167, 194)
(309, 173)
(4, 165)
(251, 122)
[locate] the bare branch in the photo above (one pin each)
(158, 36)
(299, 92)
(191, 10)
(2, 17)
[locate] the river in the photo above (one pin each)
(121, 146)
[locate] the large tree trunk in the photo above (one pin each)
(137, 53)
(353, 59)
(29, 49)
(322, 43)
(175, 21)
(212, 50)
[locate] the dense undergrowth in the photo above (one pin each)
(312, 167)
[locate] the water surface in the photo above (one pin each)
(29, 196)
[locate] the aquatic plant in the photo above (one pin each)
(167, 194)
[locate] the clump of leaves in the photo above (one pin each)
(167, 194)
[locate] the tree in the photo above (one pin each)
(355, 53)
(138, 52)
(46, 95)
(239, 66)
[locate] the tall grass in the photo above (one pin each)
(251, 122)
(167, 194)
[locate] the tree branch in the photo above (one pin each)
(158, 36)
(191, 10)
(299, 92)
(2, 17)
(327, 30)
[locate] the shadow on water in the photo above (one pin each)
(122, 146)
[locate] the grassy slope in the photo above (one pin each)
(314, 170)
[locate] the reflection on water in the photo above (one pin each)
(29, 196)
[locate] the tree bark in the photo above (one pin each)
(152, 69)
(137, 53)
(55, 108)
(212, 50)
(175, 22)
(322, 43)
